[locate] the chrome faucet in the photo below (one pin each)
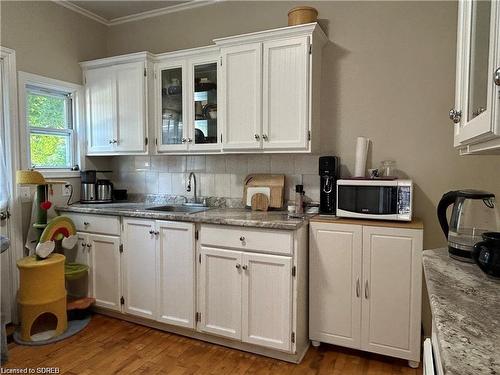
(188, 189)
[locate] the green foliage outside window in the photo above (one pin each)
(48, 150)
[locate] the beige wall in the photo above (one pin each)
(389, 73)
(49, 39)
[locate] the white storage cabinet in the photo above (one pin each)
(365, 288)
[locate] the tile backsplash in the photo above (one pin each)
(216, 175)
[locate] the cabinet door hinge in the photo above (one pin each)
(122, 301)
(221, 61)
(145, 72)
(310, 49)
(294, 271)
(84, 80)
(308, 135)
(196, 235)
(220, 137)
(121, 248)
(198, 317)
(156, 141)
(199, 258)
(293, 337)
(146, 141)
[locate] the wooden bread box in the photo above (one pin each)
(274, 183)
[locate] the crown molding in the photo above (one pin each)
(138, 16)
(158, 12)
(83, 12)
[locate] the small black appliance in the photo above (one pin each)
(487, 254)
(329, 168)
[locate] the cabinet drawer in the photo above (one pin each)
(95, 223)
(242, 238)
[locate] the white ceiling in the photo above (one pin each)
(111, 10)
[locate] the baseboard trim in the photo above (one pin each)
(255, 349)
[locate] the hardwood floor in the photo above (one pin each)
(111, 346)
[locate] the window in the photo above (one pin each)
(49, 111)
(50, 121)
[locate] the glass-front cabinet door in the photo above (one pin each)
(477, 93)
(172, 134)
(202, 98)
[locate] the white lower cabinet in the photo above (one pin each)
(248, 295)
(335, 284)
(158, 270)
(365, 288)
(267, 300)
(248, 285)
(175, 270)
(102, 254)
(105, 270)
(139, 267)
(220, 292)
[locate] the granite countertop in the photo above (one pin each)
(465, 305)
(227, 216)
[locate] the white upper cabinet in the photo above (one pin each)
(186, 91)
(477, 93)
(286, 94)
(117, 104)
(242, 96)
(100, 110)
(131, 107)
(270, 88)
(251, 93)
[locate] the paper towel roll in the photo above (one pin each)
(362, 144)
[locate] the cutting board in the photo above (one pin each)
(274, 182)
(260, 202)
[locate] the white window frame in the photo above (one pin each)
(28, 80)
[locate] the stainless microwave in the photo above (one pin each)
(375, 199)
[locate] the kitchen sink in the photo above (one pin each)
(178, 208)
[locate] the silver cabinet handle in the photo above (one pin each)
(257, 137)
(190, 140)
(84, 244)
(86, 223)
(151, 232)
(184, 140)
(264, 137)
(89, 245)
(496, 77)
(366, 289)
(242, 238)
(157, 233)
(110, 141)
(115, 141)
(238, 266)
(245, 267)
(455, 115)
(357, 288)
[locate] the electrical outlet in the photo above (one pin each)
(66, 190)
(25, 193)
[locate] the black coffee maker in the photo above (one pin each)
(329, 168)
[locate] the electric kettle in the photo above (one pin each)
(474, 213)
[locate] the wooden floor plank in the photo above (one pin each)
(112, 346)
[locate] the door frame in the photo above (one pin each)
(11, 121)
